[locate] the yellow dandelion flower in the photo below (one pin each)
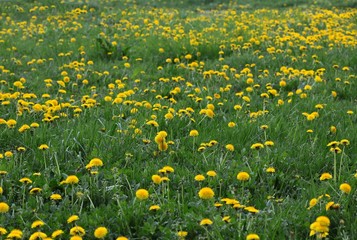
(329, 205)
(243, 176)
(313, 203)
(156, 179)
(345, 142)
(96, 162)
(226, 219)
(230, 147)
(142, 194)
(325, 176)
(211, 173)
(77, 230)
(55, 197)
(3, 231)
(257, 146)
(251, 209)
(206, 222)
(37, 223)
(333, 144)
(72, 179)
(57, 233)
(72, 218)
(76, 237)
(218, 205)
(345, 188)
(269, 143)
(100, 232)
(193, 133)
(323, 220)
(154, 208)
(122, 238)
(206, 193)
(8, 154)
(4, 207)
(199, 178)
(43, 147)
(270, 170)
(168, 169)
(252, 236)
(15, 233)
(182, 234)
(38, 235)
(25, 180)
(35, 190)
(11, 123)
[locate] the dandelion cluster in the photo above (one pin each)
(177, 120)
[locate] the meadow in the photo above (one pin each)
(124, 119)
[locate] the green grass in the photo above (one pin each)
(92, 74)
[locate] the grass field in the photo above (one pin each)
(178, 119)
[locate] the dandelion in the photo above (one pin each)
(231, 124)
(152, 123)
(251, 209)
(168, 169)
(15, 233)
(8, 154)
(243, 176)
(37, 223)
(320, 227)
(252, 236)
(35, 190)
(345, 142)
(122, 238)
(199, 178)
(3, 231)
(156, 179)
(270, 170)
(329, 205)
(269, 143)
(333, 129)
(257, 146)
(72, 179)
(193, 133)
(154, 208)
(264, 127)
(38, 235)
(76, 237)
(206, 222)
(206, 193)
(77, 230)
(72, 218)
(312, 203)
(57, 233)
(226, 219)
(230, 147)
(325, 176)
(11, 123)
(333, 144)
(95, 162)
(43, 147)
(25, 180)
(182, 234)
(345, 188)
(100, 232)
(55, 197)
(142, 194)
(4, 207)
(211, 173)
